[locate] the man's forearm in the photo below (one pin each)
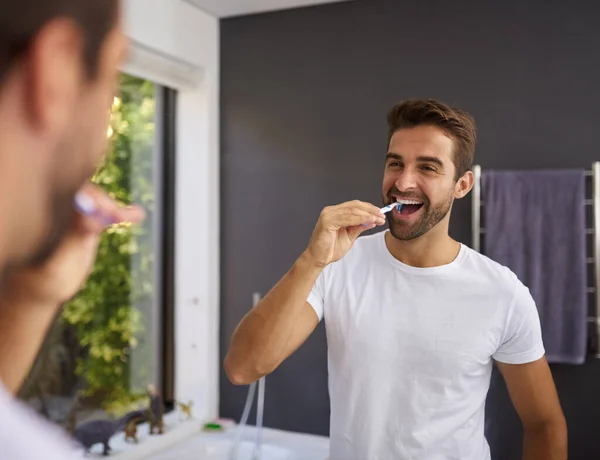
(261, 338)
(548, 442)
(22, 331)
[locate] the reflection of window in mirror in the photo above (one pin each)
(108, 344)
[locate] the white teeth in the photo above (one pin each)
(408, 201)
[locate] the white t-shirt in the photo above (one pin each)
(26, 436)
(410, 351)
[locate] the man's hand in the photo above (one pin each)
(31, 297)
(63, 275)
(338, 228)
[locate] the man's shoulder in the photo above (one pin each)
(25, 435)
(358, 259)
(370, 241)
(487, 269)
(364, 248)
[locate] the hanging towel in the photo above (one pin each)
(535, 225)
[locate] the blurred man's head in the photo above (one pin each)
(428, 164)
(59, 63)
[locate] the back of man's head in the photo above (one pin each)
(22, 20)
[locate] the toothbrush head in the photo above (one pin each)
(86, 206)
(390, 207)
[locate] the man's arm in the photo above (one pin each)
(274, 328)
(283, 320)
(534, 396)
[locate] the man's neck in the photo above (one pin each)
(7, 207)
(15, 143)
(4, 249)
(433, 249)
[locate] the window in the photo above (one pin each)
(114, 338)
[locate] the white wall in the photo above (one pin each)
(180, 30)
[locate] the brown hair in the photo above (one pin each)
(456, 123)
(21, 20)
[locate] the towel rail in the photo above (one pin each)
(596, 256)
(476, 209)
(477, 231)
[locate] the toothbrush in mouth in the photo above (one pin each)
(388, 208)
(391, 206)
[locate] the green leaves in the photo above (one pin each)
(111, 313)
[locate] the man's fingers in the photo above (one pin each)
(130, 214)
(364, 206)
(348, 215)
(100, 211)
(354, 232)
(352, 218)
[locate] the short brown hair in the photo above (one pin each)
(22, 20)
(456, 123)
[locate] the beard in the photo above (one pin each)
(431, 215)
(66, 182)
(70, 165)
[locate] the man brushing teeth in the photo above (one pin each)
(406, 208)
(414, 319)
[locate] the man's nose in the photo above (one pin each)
(407, 180)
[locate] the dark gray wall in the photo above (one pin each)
(304, 96)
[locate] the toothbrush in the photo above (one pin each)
(389, 207)
(86, 206)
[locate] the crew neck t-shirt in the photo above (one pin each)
(410, 350)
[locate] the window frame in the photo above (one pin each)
(168, 145)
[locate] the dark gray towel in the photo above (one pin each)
(535, 225)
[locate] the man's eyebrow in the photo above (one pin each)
(393, 155)
(426, 159)
(421, 159)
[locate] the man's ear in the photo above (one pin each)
(54, 70)
(464, 185)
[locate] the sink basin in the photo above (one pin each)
(276, 445)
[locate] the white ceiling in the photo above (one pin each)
(225, 8)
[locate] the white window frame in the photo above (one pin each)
(176, 44)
